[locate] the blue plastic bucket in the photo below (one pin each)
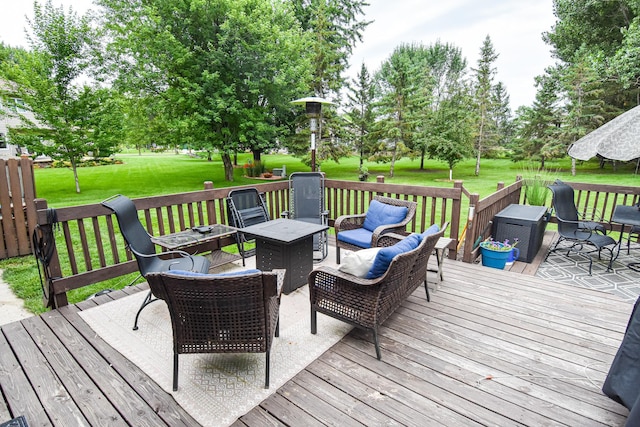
(494, 259)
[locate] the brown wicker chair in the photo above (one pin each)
(367, 303)
(353, 222)
(228, 313)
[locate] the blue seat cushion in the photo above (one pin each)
(382, 214)
(433, 229)
(357, 237)
(229, 274)
(386, 255)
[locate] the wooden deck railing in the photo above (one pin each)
(90, 248)
(481, 213)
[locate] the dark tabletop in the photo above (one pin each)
(283, 230)
(629, 215)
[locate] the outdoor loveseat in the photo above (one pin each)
(367, 302)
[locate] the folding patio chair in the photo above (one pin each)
(306, 203)
(245, 207)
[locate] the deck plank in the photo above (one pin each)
(160, 401)
(51, 392)
(130, 405)
(20, 397)
(94, 406)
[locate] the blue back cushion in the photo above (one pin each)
(433, 229)
(385, 255)
(380, 214)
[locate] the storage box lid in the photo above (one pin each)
(522, 212)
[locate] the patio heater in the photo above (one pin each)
(313, 107)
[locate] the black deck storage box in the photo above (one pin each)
(522, 222)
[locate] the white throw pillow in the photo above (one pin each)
(358, 263)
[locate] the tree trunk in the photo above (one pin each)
(75, 175)
(393, 160)
(573, 167)
(228, 167)
(478, 163)
(256, 156)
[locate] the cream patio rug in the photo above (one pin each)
(214, 388)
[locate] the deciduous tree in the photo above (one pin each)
(49, 81)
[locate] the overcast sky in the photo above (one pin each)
(515, 28)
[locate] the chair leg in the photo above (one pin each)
(314, 321)
(277, 334)
(175, 371)
(266, 371)
(337, 255)
(148, 300)
(376, 343)
(426, 288)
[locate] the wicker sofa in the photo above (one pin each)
(367, 303)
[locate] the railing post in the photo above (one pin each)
(470, 228)
(456, 214)
(380, 179)
(210, 204)
(53, 270)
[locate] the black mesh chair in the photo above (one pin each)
(571, 212)
(306, 203)
(246, 207)
(583, 237)
(139, 243)
(226, 313)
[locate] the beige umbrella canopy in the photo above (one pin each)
(618, 139)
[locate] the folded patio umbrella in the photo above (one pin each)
(618, 139)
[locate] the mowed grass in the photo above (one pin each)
(167, 173)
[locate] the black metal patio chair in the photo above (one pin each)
(583, 237)
(139, 243)
(246, 207)
(306, 203)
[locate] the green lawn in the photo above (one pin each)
(166, 173)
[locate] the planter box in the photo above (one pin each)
(526, 223)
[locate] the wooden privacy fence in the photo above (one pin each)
(17, 211)
(89, 247)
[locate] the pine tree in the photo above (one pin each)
(485, 74)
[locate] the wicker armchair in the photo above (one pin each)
(367, 303)
(356, 223)
(225, 313)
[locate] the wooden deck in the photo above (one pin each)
(543, 345)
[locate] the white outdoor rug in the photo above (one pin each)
(214, 388)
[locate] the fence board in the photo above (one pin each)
(17, 209)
